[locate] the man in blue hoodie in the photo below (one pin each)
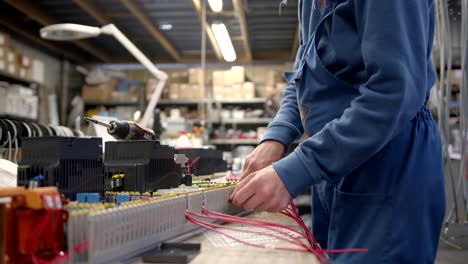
(359, 88)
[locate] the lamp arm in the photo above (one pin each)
(111, 29)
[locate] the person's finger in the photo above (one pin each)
(261, 207)
(243, 194)
(253, 202)
(241, 184)
(250, 168)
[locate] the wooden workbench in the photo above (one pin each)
(243, 254)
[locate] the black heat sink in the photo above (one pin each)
(147, 165)
(70, 163)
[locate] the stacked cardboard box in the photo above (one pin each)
(24, 66)
(177, 91)
(12, 61)
(231, 84)
(274, 83)
(4, 42)
(99, 93)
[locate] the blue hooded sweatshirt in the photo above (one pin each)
(380, 51)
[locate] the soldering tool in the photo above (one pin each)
(125, 130)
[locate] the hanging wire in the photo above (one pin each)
(281, 4)
(464, 97)
(445, 65)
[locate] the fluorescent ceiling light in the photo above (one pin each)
(224, 41)
(165, 26)
(216, 5)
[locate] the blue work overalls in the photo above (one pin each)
(393, 203)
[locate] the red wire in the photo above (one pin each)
(292, 239)
(238, 240)
(294, 214)
(258, 223)
(236, 219)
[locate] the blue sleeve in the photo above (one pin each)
(394, 42)
(287, 126)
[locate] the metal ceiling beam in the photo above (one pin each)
(34, 12)
(273, 55)
(296, 42)
(240, 13)
(198, 9)
(118, 14)
(139, 14)
(91, 9)
(33, 36)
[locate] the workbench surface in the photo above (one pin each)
(217, 253)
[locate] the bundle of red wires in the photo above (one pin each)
(284, 232)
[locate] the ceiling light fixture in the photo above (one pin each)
(165, 26)
(67, 32)
(224, 41)
(216, 5)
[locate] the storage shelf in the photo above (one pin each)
(242, 101)
(246, 121)
(181, 101)
(235, 141)
(7, 77)
(112, 103)
(17, 118)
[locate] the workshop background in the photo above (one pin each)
(224, 63)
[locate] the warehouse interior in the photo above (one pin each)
(125, 126)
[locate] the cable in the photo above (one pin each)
(291, 212)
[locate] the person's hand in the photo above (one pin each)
(262, 190)
(262, 156)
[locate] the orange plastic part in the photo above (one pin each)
(31, 229)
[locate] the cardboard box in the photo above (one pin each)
(23, 72)
(267, 91)
(185, 91)
(234, 76)
(99, 93)
(12, 68)
(248, 90)
(38, 71)
(238, 74)
(227, 93)
(178, 77)
(195, 75)
(3, 65)
(218, 78)
(237, 91)
(4, 39)
(197, 92)
(218, 92)
(11, 55)
(273, 77)
(280, 87)
(25, 61)
(174, 91)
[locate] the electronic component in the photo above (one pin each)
(72, 164)
(34, 223)
(135, 226)
(209, 161)
(141, 166)
(125, 130)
